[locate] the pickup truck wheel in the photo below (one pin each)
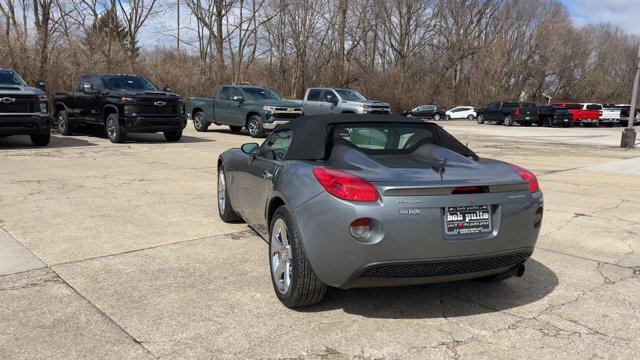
(173, 135)
(235, 129)
(199, 123)
(40, 139)
(294, 281)
(113, 129)
(480, 119)
(64, 124)
(254, 125)
(508, 121)
(227, 214)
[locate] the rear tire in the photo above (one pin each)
(199, 123)
(294, 281)
(447, 118)
(235, 129)
(173, 136)
(113, 129)
(470, 117)
(225, 210)
(480, 119)
(65, 126)
(254, 125)
(40, 139)
(436, 117)
(508, 121)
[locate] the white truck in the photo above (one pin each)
(611, 114)
(318, 101)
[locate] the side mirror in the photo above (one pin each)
(166, 89)
(88, 88)
(238, 98)
(40, 85)
(250, 148)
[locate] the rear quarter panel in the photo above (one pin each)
(201, 104)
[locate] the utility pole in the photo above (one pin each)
(178, 25)
(629, 133)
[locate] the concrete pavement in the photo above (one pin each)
(138, 265)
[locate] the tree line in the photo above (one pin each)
(407, 52)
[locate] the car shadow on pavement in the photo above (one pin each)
(24, 142)
(444, 300)
(149, 138)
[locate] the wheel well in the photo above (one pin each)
(249, 115)
(274, 204)
(108, 110)
(57, 108)
(194, 111)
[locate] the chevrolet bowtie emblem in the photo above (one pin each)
(7, 100)
(159, 103)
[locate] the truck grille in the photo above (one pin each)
(18, 104)
(445, 268)
(157, 110)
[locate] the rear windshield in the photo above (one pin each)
(10, 78)
(394, 138)
(594, 107)
(573, 106)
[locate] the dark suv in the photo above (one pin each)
(121, 104)
(435, 112)
(23, 109)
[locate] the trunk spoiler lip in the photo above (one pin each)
(447, 189)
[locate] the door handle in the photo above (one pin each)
(267, 175)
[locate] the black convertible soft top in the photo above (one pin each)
(310, 133)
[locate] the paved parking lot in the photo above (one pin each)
(116, 251)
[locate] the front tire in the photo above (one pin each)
(480, 119)
(254, 125)
(113, 129)
(470, 118)
(41, 139)
(447, 118)
(294, 281)
(65, 126)
(199, 123)
(436, 117)
(225, 210)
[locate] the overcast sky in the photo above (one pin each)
(625, 13)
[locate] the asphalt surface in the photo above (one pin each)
(117, 252)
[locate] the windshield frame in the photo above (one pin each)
(16, 75)
(106, 78)
(342, 92)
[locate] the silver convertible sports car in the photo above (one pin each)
(378, 200)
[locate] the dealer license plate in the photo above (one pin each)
(463, 220)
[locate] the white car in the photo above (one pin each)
(461, 112)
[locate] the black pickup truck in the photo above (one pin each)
(121, 104)
(508, 113)
(23, 109)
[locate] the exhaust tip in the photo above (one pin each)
(520, 270)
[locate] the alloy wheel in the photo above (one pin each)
(254, 127)
(436, 117)
(112, 128)
(281, 257)
(198, 121)
(62, 122)
(221, 192)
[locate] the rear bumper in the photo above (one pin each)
(11, 124)
(415, 247)
(587, 121)
(272, 125)
(147, 124)
(609, 121)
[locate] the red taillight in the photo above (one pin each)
(516, 112)
(344, 185)
(528, 176)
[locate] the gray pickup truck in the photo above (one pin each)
(24, 110)
(255, 108)
(318, 101)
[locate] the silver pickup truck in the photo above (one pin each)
(318, 101)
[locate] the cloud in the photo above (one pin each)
(625, 13)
